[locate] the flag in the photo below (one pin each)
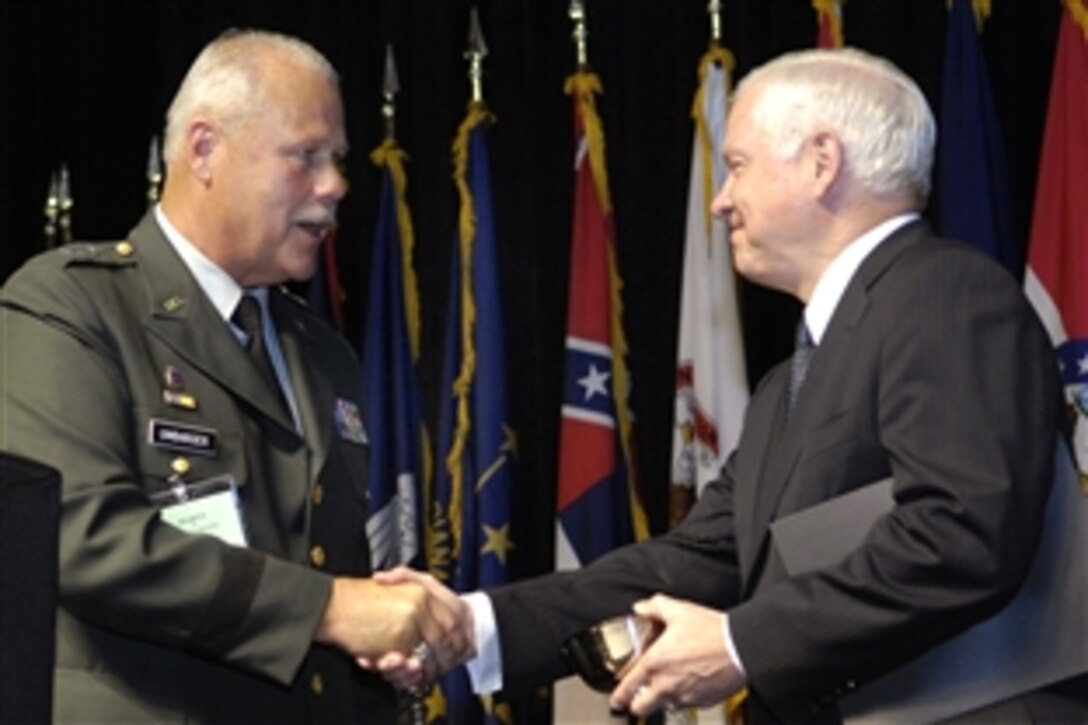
(323, 292)
(476, 443)
(828, 23)
(974, 202)
(598, 506)
(711, 380)
(1057, 268)
(391, 397)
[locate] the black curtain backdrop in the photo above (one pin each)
(87, 82)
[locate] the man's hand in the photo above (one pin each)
(366, 619)
(687, 665)
(450, 640)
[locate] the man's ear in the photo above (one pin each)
(827, 158)
(201, 140)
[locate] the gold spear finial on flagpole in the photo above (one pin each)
(475, 53)
(390, 88)
(51, 212)
(714, 9)
(577, 13)
(65, 202)
(154, 171)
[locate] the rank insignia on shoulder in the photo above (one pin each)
(349, 421)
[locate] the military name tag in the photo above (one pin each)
(192, 439)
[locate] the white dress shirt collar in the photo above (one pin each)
(219, 286)
(832, 284)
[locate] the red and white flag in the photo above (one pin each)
(711, 381)
(1056, 280)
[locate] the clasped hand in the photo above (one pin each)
(402, 621)
(687, 664)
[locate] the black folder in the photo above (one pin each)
(1039, 638)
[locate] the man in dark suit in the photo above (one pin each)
(213, 553)
(928, 366)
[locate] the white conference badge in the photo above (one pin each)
(209, 507)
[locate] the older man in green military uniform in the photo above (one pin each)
(213, 552)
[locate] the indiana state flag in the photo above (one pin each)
(391, 396)
(1057, 276)
(476, 444)
(974, 202)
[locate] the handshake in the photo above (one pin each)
(411, 629)
(402, 623)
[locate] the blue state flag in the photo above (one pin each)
(476, 444)
(974, 202)
(391, 396)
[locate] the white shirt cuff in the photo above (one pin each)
(731, 648)
(485, 669)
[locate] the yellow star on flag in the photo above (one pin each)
(498, 542)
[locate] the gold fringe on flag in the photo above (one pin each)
(585, 84)
(477, 114)
(1079, 10)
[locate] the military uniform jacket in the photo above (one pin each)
(933, 370)
(118, 371)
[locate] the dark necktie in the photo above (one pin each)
(802, 356)
(247, 315)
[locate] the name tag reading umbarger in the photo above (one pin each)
(208, 507)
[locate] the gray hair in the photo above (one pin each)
(877, 112)
(225, 79)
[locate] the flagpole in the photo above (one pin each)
(714, 10)
(51, 212)
(154, 171)
(390, 88)
(475, 54)
(580, 34)
(65, 202)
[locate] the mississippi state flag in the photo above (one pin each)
(597, 507)
(1056, 280)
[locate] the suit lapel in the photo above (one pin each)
(183, 317)
(785, 437)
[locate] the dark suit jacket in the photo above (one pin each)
(934, 370)
(155, 624)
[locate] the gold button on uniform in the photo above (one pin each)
(317, 683)
(123, 249)
(180, 465)
(317, 556)
(317, 495)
